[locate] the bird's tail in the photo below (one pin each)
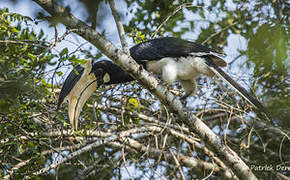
(242, 91)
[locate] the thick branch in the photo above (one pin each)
(128, 64)
(120, 26)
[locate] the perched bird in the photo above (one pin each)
(184, 61)
(175, 59)
(80, 85)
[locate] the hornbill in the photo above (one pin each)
(175, 59)
(184, 61)
(83, 81)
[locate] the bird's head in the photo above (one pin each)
(77, 88)
(100, 71)
(83, 81)
(80, 85)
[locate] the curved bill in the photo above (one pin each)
(77, 89)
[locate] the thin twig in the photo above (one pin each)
(25, 162)
(159, 90)
(74, 154)
(213, 35)
(56, 41)
(24, 43)
(280, 148)
(172, 14)
(177, 164)
(125, 163)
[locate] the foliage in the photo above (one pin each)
(22, 86)
(34, 135)
(25, 91)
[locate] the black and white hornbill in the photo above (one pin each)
(184, 61)
(80, 85)
(175, 59)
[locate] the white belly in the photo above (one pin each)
(189, 68)
(183, 68)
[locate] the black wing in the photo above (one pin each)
(159, 48)
(69, 83)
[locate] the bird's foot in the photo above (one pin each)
(183, 98)
(187, 94)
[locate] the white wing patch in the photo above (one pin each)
(207, 53)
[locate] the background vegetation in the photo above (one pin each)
(125, 131)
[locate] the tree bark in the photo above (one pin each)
(216, 144)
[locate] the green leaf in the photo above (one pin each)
(63, 52)
(32, 56)
(59, 73)
(43, 81)
(15, 30)
(75, 71)
(81, 61)
(134, 102)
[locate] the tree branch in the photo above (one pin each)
(215, 143)
(74, 154)
(120, 26)
(170, 15)
(25, 42)
(156, 153)
(26, 162)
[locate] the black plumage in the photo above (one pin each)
(100, 68)
(156, 49)
(175, 59)
(116, 74)
(80, 85)
(69, 83)
(183, 61)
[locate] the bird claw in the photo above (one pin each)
(183, 98)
